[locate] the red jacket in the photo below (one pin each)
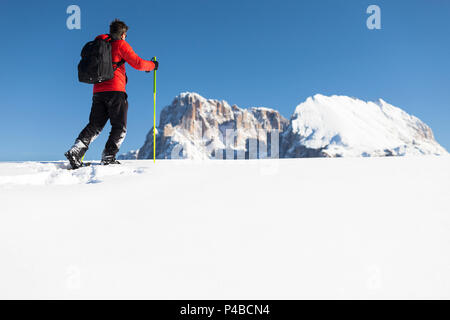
(120, 49)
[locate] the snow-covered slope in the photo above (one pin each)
(57, 173)
(250, 229)
(339, 126)
(194, 127)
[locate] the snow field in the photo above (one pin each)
(256, 229)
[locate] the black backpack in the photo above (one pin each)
(96, 62)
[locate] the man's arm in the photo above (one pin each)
(134, 60)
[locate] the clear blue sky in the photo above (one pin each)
(250, 53)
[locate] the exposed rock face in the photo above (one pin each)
(197, 128)
(193, 127)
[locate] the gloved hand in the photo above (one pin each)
(156, 66)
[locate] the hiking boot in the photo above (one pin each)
(109, 159)
(76, 153)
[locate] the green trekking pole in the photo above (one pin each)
(154, 113)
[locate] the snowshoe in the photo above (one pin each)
(84, 164)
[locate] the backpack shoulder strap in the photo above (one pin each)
(121, 62)
(118, 64)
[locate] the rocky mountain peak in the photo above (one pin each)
(202, 125)
(322, 126)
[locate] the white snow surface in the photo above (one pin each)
(256, 229)
(57, 173)
(346, 126)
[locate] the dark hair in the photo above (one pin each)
(117, 28)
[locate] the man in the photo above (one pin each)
(110, 100)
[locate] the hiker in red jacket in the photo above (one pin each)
(110, 100)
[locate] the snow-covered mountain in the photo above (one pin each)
(340, 126)
(194, 127)
(197, 128)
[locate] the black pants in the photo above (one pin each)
(112, 105)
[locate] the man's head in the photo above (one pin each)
(118, 30)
